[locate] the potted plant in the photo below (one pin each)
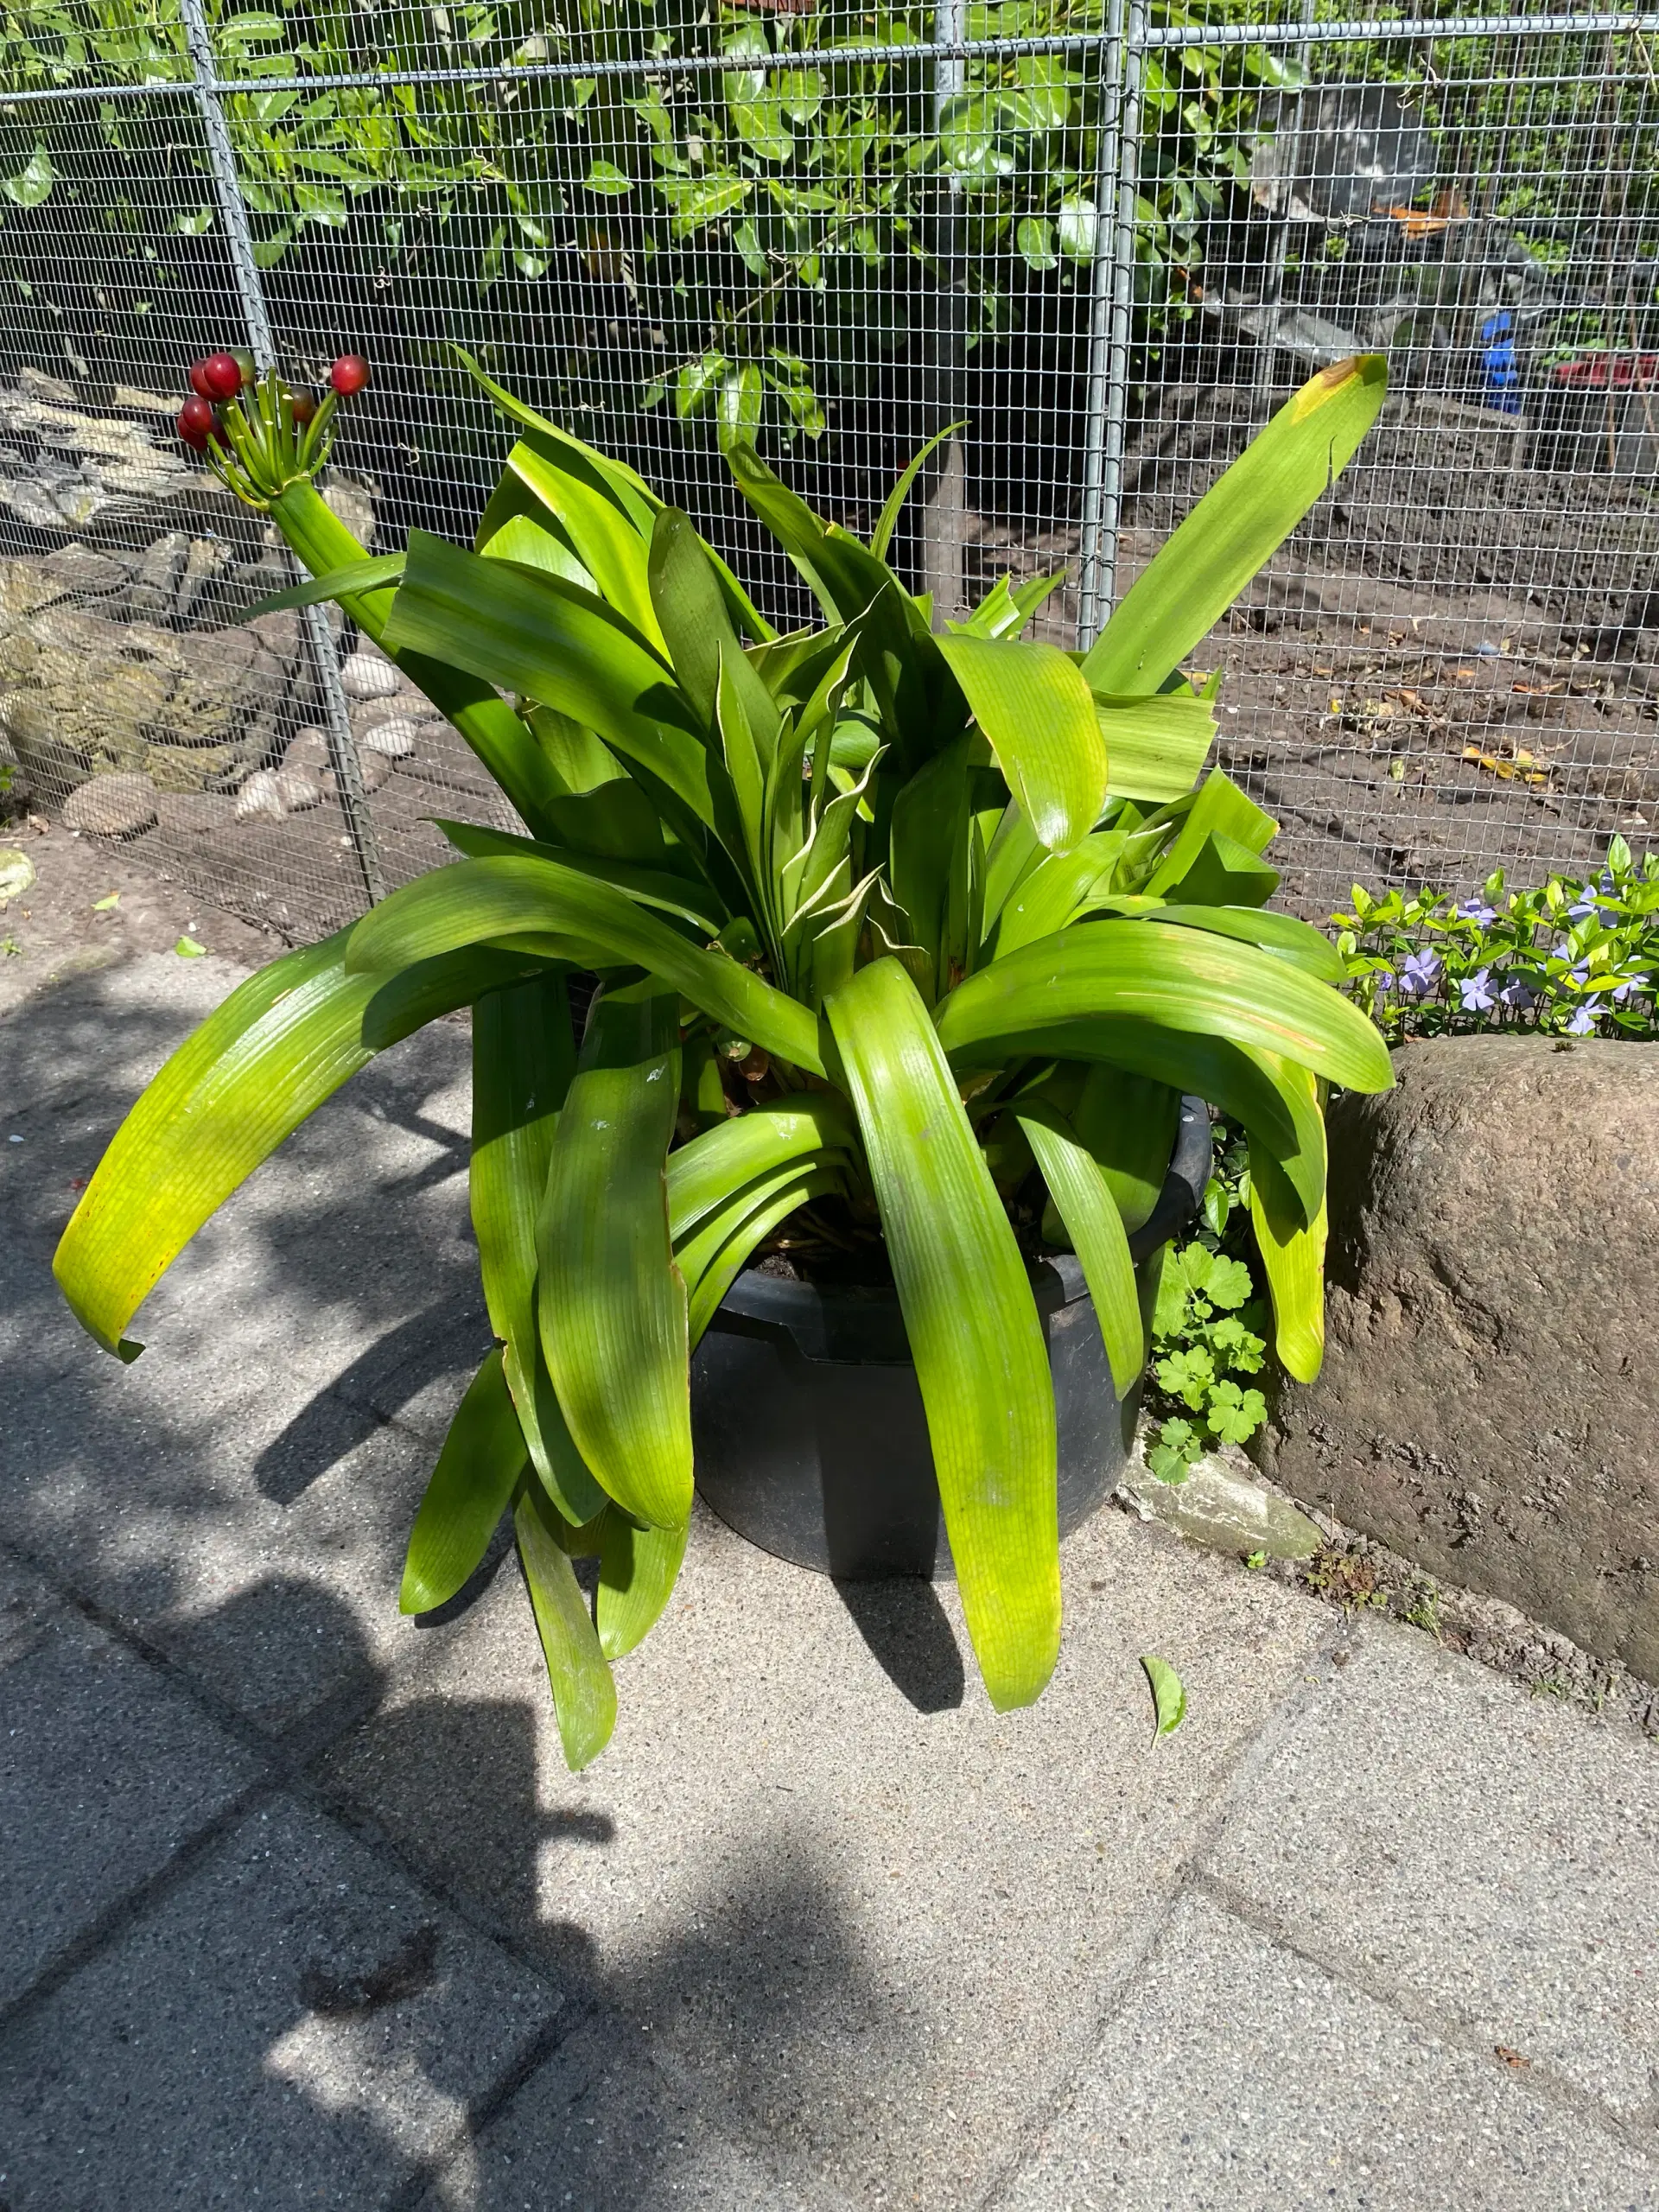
(910, 942)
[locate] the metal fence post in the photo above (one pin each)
(1111, 306)
(255, 316)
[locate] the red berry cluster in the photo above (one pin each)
(219, 379)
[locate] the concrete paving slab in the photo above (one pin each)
(243, 1493)
(600, 2128)
(1239, 2078)
(1488, 1861)
(105, 1770)
(292, 2025)
(872, 1937)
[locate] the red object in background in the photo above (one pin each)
(349, 374)
(1598, 371)
(197, 423)
(302, 405)
(220, 377)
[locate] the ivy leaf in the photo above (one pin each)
(1169, 1694)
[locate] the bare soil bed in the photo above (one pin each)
(1444, 671)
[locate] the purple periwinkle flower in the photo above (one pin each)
(1583, 906)
(1383, 981)
(1476, 991)
(1622, 991)
(1476, 909)
(1419, 975)
(1583, 1022)
(1518, 994)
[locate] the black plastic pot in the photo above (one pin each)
(807, 1417)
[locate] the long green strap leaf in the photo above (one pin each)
(1128, 1123)
(584, 1694)
(1292, 1256)
(612, 1303)
(478, 900)
(524, 1057)
(712, 1257)
(278, 1045)
(1154, 747)
(483, 1459)
(1036, 711)
(1089, 1212)
(704, 1174)
(525, 631)
(1299, 943)
(894, 505)
(1197, 573)
(609, 544)
(652, 887)
(324, 545)
(972, 1327)
(638, 1569)
(1178, 979)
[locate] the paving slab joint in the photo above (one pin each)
(1345, 1968)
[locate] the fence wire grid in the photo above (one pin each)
(1106, 239)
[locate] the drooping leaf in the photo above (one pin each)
(1196, 574)
(683, 896)
(1098, 1238)
(1292, 1258)
(524, 1057)
(1178, 979)
(270, 1055)
(484, 1457)
(1035, 709)
(715, 1254)
(713, 1167)
(612, 1303)
(1298, 942)
(972, 1324)
(476, 901)
(1169, 1695)
(638, 1569)
(1128, 1123)
(584, 1695)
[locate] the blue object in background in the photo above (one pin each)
(1503, 373)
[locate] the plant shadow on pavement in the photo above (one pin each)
(236, 1458)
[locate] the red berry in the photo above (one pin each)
(245, 362)
(302, 405)
(349, 374)
(197, 423)
(198, 379)
(221, 377)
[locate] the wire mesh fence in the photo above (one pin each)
(1106, 241)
